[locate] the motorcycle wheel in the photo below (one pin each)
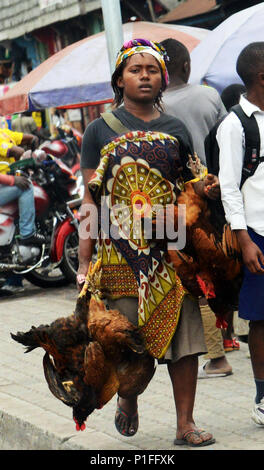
(69, 263)
(47, 277)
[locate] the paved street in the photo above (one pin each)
(32, 418)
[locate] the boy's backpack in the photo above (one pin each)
(252, 145)
(251, 160)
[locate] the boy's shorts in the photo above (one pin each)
(251, 298)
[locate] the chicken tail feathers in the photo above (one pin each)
(230, 243)
(28, 339)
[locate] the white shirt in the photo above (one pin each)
(243, 208)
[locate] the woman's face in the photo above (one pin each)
(141, 79)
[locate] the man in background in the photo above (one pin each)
(199, 107)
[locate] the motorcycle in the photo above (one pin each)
(67, 149)
(56, 201)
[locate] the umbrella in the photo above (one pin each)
(214, 59)
(80, 73)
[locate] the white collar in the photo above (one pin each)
(248, 107)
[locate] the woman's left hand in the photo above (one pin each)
(211, 187)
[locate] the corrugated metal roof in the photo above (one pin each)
(189, 8)
(19, 17)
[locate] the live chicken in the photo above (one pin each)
(92, 354)
(210, 265)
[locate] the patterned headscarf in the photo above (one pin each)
(135, 46)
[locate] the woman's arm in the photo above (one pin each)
(88, 226)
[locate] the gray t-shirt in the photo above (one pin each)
(199, 107)
(98, 134)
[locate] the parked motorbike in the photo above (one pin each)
(57, 201)
(67, 147)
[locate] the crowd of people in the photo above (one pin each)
(154, 103)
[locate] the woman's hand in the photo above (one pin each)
(80, 278)
(208, 187)
(211, 187)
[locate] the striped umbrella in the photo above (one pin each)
(214, 59)
(80, 73)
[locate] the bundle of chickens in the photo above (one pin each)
(92, 354)
(210, 265)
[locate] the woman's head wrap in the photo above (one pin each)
(136, 46)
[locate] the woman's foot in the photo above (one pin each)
(194, 437)
(126, 417)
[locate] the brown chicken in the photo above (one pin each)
(210, 264)
(92, 354)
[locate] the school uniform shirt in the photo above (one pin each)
(243, 208)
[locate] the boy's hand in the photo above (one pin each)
(252, 255)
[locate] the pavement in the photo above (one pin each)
(31, 418)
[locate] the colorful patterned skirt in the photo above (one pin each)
(138, 172)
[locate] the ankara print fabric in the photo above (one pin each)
(137, 173)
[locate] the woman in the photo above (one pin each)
(135, 171)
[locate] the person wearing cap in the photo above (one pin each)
(135, 157)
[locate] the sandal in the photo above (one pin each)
(187, 439)
(124, 422)
(204, 373)
(231, 345)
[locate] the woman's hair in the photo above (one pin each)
(118, 92)
(250, 62)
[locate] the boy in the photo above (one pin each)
(244, 208)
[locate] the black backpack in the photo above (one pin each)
(251, 160)
(252, 145)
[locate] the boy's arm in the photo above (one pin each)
(231, 156)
